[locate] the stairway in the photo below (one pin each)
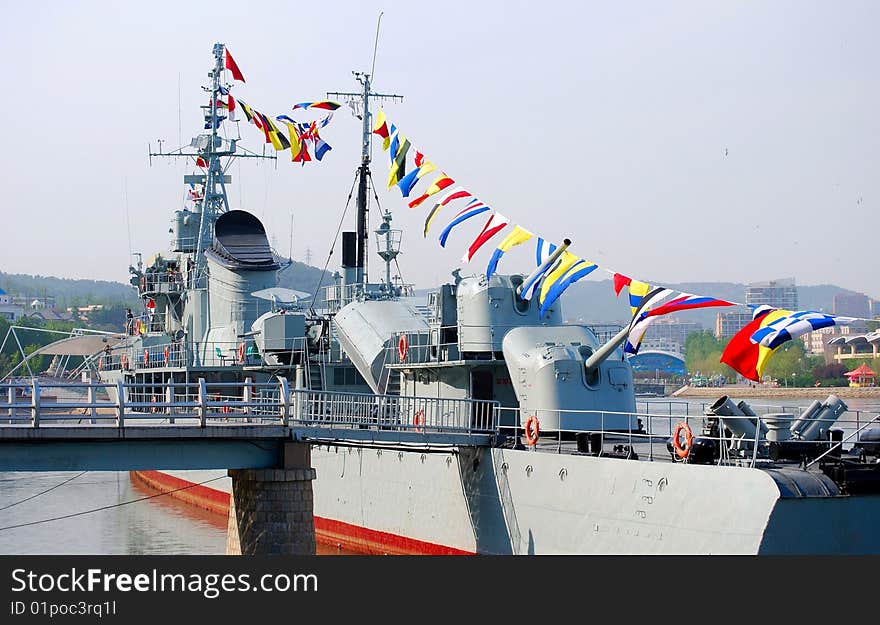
(315, 376)
(393, 387)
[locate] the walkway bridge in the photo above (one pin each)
(261, 433)
(121, 427)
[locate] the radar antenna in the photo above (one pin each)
(209, 147)
(361, 100)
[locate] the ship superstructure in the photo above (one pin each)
(571, 466)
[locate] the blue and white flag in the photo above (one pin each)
(543, 250)
(795, 325)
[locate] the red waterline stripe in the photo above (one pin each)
(197, 495)
(327, 531)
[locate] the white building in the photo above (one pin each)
(8, 309)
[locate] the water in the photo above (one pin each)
(161, 525)
(164, 525)
(158, 526)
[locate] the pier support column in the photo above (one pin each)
(271, 511)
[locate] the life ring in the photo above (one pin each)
(419, 421)
(123, 360)
(165, 354)
(101, 363)
(532, 430)
(241, 352)
(402, 347)
(225, 409)
(682, 451)
(146, 358)
(154, 409)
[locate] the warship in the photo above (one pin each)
(564, 464)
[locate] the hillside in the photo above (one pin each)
(67, 291)
(594, 301)
(588, 301)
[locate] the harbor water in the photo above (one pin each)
(108, 513)
(103, 513)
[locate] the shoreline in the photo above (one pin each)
(821, 392)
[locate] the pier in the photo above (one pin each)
(261, 433)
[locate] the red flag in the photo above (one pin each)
(201, 162)
(620, 281)
(741, 354)
(233, 67)
(151, 304)
(231, 105)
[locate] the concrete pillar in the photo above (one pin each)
(271, 511)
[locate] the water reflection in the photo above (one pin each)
(158, 526)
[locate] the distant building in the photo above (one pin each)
(780, 293)
(51, 315)
(604, 331)
(852, 305)
(729, 323)
(9, 310)
(35, 302)
(661, 364)
(668, 329)
(661, 345)
(815, 341)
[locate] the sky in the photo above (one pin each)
(673, 142)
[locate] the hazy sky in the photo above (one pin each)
(673, 141)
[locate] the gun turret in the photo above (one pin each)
(602, 354)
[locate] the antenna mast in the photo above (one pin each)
(363, 99)
(210, 147)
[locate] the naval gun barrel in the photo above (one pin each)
(602, 354)
(542, 267)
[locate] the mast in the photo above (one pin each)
(362, 100)
(210, 147)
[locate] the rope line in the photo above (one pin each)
(116, 505)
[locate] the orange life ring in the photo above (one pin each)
(154, 409)
(682, 451)
(419, 421)
(241, 352)
(532, 430)
(123, 360)
(225, 409)
(165, 353)
(402, 347)
(146, 358)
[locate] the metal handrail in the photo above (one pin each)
(252, 402)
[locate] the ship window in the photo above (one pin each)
(346, 376)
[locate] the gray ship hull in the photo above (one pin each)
(502, 501)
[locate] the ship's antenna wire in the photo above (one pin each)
(290, 249)
(179, 133)
(376, 46)
(338, 229)
(127, 215)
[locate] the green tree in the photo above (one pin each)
(702, 353)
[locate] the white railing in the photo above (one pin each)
(30, 403)
(653, 439)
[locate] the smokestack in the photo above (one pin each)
(349, 249)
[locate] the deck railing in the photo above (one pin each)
(32, 404)
(650, 434)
